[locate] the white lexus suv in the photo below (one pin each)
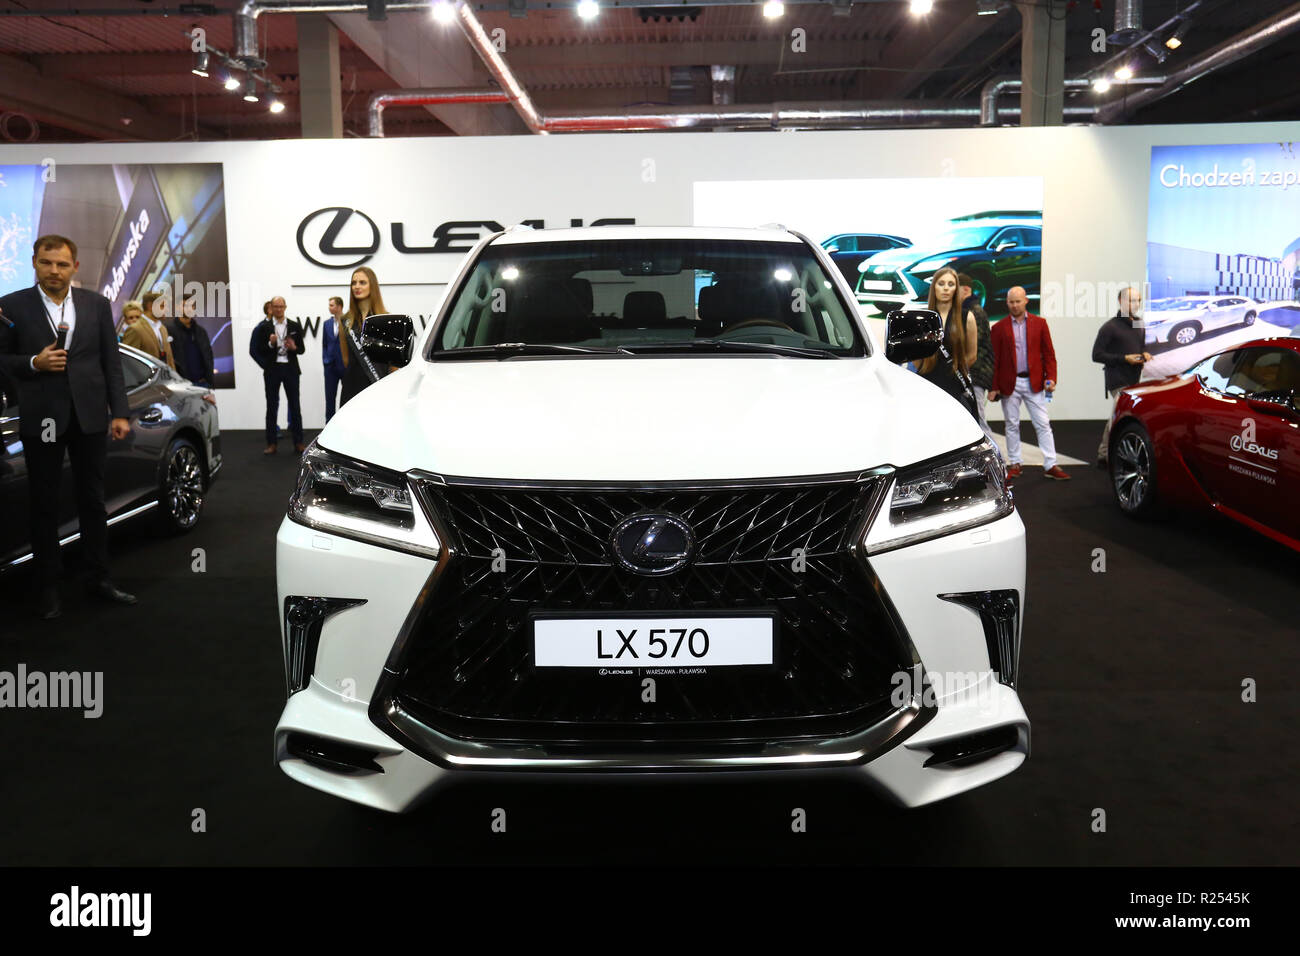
(650, 500)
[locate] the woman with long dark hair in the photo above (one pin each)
(949, 368)
(364, 300)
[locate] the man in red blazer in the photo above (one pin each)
(1024, 370)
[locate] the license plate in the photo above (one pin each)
(881, 285)
(625, 642)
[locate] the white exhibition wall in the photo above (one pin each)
(1094, 201)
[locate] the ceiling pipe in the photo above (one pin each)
(1128, 21)
(771, 116)
(248, 11)
(1244, 43)
(1127, 52)
(1005, 84)
(426, 97)
(497, 66)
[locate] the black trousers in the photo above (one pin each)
(87, 453)
(282, 373)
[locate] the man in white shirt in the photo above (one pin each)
(275, 346)
(59, 349)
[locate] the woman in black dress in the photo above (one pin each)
(365, 300)
(950, 367)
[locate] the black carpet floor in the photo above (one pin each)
(1132, 678)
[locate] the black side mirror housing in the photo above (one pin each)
(389, 339)
(912, 335)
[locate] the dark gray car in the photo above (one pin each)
(164, 467)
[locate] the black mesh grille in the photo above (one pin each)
(467, 668)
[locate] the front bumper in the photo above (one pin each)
(963, 707)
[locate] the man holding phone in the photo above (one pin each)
(1120, 350)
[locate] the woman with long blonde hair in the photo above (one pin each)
(364, 300)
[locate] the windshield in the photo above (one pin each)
(643, 294)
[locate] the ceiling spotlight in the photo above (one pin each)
(773, 9)
(1101, 84)
(232, 83)
(200, 64)
(588, 9)
(920, 8)
(250, 90)
(1155, 51)
(276, 106)
(1176, 38)
(1124, 73)
(444, 11)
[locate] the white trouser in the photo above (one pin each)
(981, 396)
(1037, 402)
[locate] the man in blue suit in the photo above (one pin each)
(332, 356)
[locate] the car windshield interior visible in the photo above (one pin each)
(612, 294)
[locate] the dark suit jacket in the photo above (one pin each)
(93, 382)
(264, 354)
(1042, 357)
(331, 354)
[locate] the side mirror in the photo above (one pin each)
(389, 339)
(1282, 402)
(913, 335)
(1004, 246)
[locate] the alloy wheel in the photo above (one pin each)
(1132, 471)
(184, 487)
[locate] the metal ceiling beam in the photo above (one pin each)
(77, 106)
(957, 26)
(578, 55)
(1249, 41)
(162, 64)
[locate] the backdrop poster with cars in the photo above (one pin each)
(1223, 236)
(137, 227)
(889, 236)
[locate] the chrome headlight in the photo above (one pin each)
(938, 497)
(356, 500)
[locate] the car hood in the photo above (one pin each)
(649, 418)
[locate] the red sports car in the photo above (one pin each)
(1223, 435)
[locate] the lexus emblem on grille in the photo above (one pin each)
(652, 544)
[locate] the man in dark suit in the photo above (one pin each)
(58, 345)
(332, 356)
(191, 345)
(1024, 371)
(275, 346)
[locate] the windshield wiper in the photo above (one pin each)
(508, 349)
(722, 345)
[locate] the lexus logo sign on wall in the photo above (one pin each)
(324, 234)
(320, 244)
